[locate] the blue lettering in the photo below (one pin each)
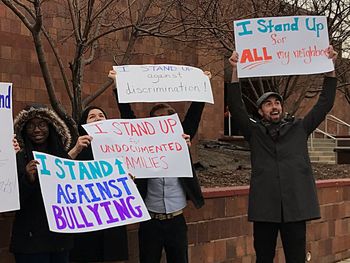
(92, 192)
(82, 194)
(60, 194)
(126, 187)
(104, 190)
(112, 183)
(5, 100)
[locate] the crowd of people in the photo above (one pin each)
(282, 194)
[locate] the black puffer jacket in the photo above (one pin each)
(30, 232)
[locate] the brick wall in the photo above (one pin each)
(19, 65)
(219, 232)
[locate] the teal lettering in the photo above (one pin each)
(95, 169)
(58, 163)
(42, 159)
(106, 168)
(70, 165)
(119, 163)
(83, 171)
(245, 31)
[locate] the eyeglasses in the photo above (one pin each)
(41, 125)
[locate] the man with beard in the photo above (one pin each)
(283, 194)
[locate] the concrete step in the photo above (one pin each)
(321, 153)
(321, 149)
(322, 140)
(322, 159)
(322, 144)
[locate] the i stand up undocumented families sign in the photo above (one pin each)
(150, 147)
(272, 46)
(9, 195)
(163, 82)
(83, 196)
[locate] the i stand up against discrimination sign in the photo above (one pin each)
(9, 195)
(291, 45)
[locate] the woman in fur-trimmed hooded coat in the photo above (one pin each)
(37, 128)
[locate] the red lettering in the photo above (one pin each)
(99, 128)
(118, 131)
(266, 56)
(246, 56)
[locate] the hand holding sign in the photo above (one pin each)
(15, 144)
(31, 171)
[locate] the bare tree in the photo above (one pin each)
(89, 26)
(214, 24)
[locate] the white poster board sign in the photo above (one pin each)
(291, 45)
(9, 195)
(84, 196)
(163, 82)
(149, 147)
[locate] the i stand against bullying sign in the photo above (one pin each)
(9, 194)
(291, 45)
(83, 196)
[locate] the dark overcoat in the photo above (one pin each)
(282, 186)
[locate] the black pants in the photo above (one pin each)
(170, 234)
(58, 257)
(293, 236)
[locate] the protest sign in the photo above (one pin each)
(163, 82)
(84, 196)
(9, 194)
(290, 45)
(150, 147)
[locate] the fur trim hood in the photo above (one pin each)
(48, 115)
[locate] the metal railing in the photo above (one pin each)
(337, 121)
(326, 133)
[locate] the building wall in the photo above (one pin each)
(220, 233)
(18, 64)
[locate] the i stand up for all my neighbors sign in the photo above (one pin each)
(292, 45)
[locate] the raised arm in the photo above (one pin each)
(192, 119)
(193, 116)
(235, 102)
(125, 109)
(326, 99)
